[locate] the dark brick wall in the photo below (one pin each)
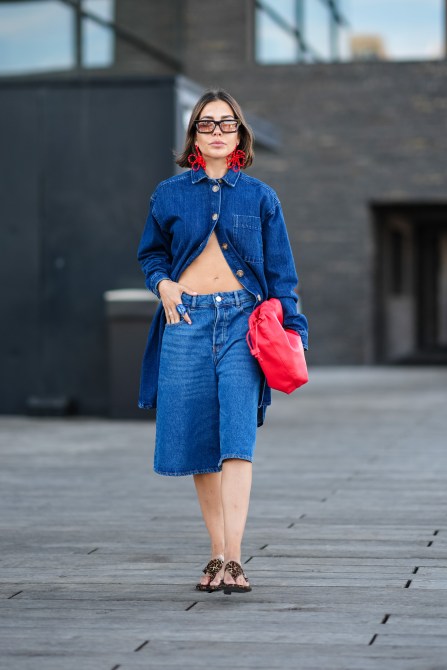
(157, 23)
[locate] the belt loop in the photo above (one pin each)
(194, 299)
(237, 298)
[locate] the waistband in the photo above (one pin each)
(220, 298)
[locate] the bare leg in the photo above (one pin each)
(208, 486)
(235, 491)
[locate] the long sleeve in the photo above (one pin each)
(280, 271)
(154, 251)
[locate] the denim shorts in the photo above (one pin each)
(208, 387)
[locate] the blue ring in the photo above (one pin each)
(181, 309)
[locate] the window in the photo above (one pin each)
(36, 36)
(97, 40)
(277, 40)
(317, 28)
(41, 36)
(289, 31)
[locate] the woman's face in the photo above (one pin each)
(217, 144)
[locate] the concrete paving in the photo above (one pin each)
(345, 546)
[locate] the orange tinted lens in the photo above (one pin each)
(205, 126)
(229, 126)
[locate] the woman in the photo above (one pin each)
(214, 246)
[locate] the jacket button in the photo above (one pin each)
(215, 188)
(214, 217)
(240, 273)
(224, 245)
(258, 296)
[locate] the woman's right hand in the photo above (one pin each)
(171, 296)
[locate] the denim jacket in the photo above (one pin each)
(247, 217)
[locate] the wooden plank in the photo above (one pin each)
(346, 538)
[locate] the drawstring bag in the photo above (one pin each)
(279, 351)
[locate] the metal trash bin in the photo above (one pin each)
(129, 314)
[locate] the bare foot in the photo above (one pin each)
(240, 579)
(218, 578)
(205, 580)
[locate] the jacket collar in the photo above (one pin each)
(229, 178)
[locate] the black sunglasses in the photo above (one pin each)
(209, 125)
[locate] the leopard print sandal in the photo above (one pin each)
(212, 568)
(235, 569)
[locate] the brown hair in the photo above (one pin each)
(245, 132)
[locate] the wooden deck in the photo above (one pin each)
(346, 540)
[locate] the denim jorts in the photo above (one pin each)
(208, 387)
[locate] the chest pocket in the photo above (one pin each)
(247, 234)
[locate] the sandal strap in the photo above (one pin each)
(213, 567)
(235, 569)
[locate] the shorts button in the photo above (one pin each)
(240, 273)
(224, 245)
(218, 298)
(214, 217)
(215, 188)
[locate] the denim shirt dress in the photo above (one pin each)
(246, 215)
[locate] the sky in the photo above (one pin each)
(410, 28)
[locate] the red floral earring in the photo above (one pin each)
(196, 160)
(236, 160)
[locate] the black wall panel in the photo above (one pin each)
(79, 161)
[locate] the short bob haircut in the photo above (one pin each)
(245, 132)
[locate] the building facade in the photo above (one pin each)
(356, 152)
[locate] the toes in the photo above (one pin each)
(241, 581)
(218, 578)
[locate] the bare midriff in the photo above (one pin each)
(210, 272)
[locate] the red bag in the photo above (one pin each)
(279, 351)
